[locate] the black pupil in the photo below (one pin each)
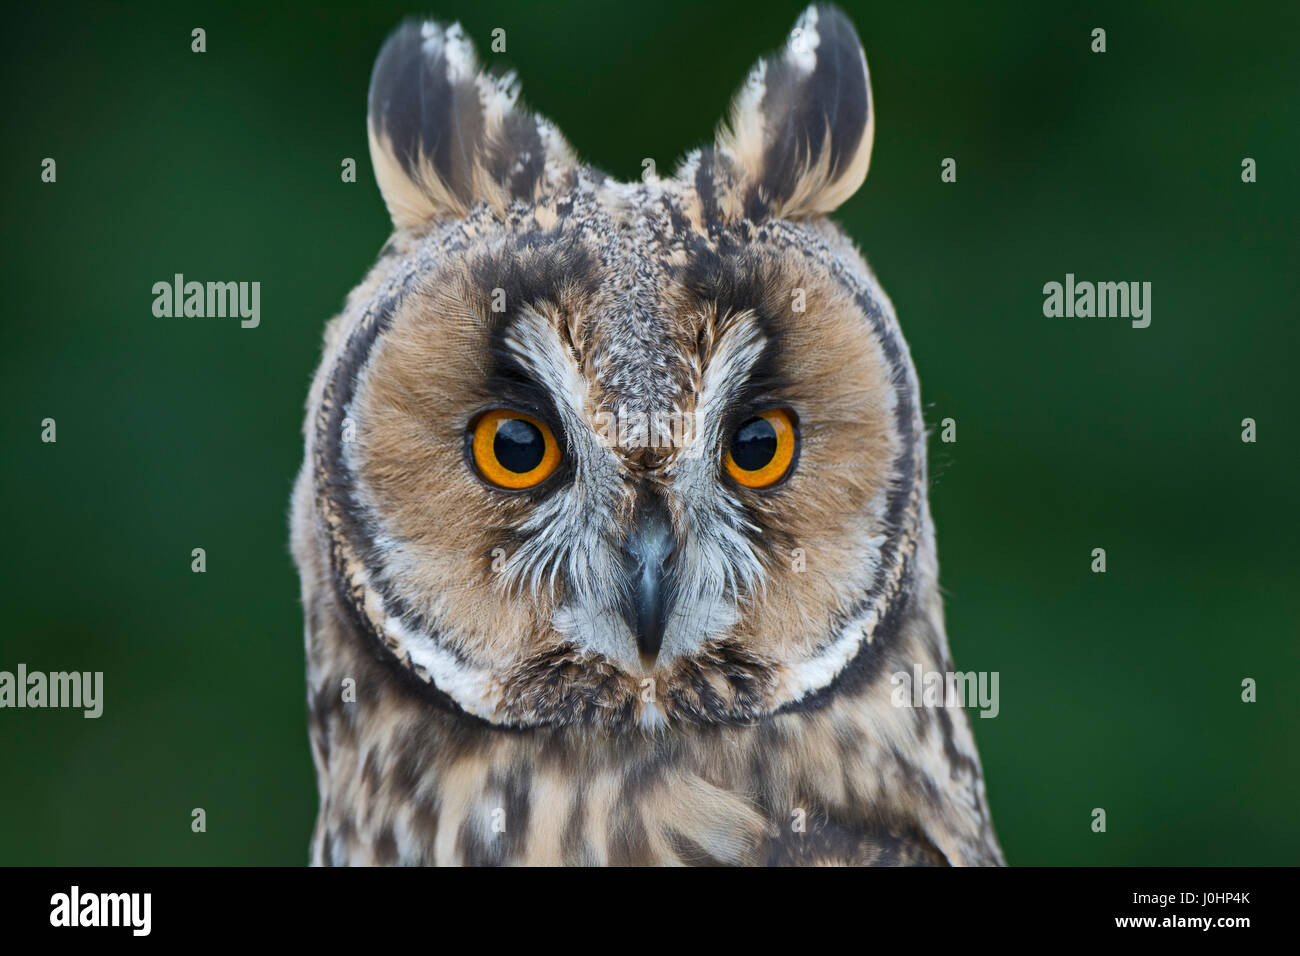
(518, 445)
(754, 445)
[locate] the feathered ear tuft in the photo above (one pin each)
(799, 139)
(444, 135)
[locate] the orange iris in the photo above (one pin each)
(762, 449)
(512, 450)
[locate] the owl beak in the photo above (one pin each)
(647, 561)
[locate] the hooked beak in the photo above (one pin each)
(647, 596)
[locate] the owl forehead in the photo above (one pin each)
(634, 286)
(638, 342)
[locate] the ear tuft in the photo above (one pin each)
(801, 128)
(444, 135)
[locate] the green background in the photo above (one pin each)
(1119, 691)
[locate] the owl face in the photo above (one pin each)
(618, 454)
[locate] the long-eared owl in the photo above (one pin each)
(613, 526)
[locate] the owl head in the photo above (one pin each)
(587, 452)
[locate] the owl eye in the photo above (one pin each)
(762, 449)
(512, 450)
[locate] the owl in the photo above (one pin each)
(612, 526)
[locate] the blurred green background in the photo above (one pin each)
(1119, 691)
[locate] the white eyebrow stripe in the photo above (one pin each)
(535, 344)
(739, 349)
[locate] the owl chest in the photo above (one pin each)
(509, 807)
(424, 796)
